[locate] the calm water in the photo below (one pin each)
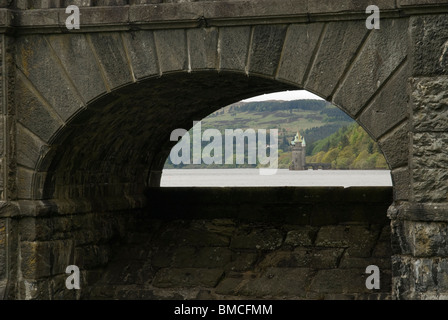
(283, 177)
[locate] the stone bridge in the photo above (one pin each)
(87, 114)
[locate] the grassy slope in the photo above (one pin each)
(314, 123)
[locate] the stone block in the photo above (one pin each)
(224, 227)
(401, 180)
(428, 238)
(242, 261)
(257, 239)
(359, 240)
(34, 289)
(336, 51)
(91, 256)
(142, 53)
(214, 257)
(187, 277)
(430, 103)
(267, 44)
(36, 260)
(35, 229)
(273, 283)
(62, 253)
(303, 257)
(113, 59)
(389, 107)
(429, 150)
(3, 250)
(339, 281)
(37, 62)
(171, 50)
(297, 55)
(233, 44)
(78, 59)
(384, 50)
(395, 146)
(29, 147)
(33, 112)
(24, 183)
(429, 40)
(430, 185)
(301, 236)
(202, 46)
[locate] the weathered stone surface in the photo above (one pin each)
(348, 262)
(401, 180)
(142, 52)
(202, 44)
(420, 278)
(112, 57)
(269, 239)
(242, 261)
(267, 44)
(3, 244)
(429, 150)
(187, 277)
(425, 239)
(381, 55)
(275, 282)
(36, 61)
(359, 239)
(32, 112)
(233, 48)
(32, 229)
(389, 107)
(91, 256)
(78, 60)
(430, 185)
(340, 43)
(302, 236)
(24, 179)
(212, 257)
(35, 259)
(296, 51)
(339, 280)
(62, 253)
(395, 146)
(29, 147)
(303, 257)
(430, 103)
(429, 36)
(171, 50)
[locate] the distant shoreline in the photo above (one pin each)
(283, 177)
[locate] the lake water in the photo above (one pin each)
(283, 177)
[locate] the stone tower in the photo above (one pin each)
(298, 153)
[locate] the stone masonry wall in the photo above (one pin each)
(211, 243)
(310, 246)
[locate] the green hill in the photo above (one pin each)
(349, 148)
(317, 121)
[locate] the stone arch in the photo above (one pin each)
(77, 88)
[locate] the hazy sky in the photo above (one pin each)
(285, 95)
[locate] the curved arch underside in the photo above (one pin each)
(95, 111)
